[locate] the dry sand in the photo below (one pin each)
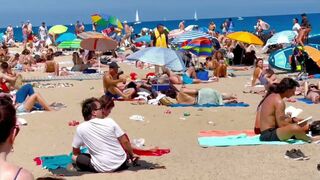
(48, 133)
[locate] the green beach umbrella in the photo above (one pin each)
(75, 44)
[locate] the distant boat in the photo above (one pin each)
(195, 16)
(240, 19)
(137, 21)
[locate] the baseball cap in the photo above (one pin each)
(113, 65)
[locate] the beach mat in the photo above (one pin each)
(70, 77)
(306, 101)
(62, 161)
(240, 140)
(219, 133)
(240, 104)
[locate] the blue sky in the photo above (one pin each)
(68, 11)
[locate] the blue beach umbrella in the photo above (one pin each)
(190, 35)
(159, 56)
(283, 37)
(145, 38)
(66, 37)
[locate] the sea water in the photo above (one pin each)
(277, 23)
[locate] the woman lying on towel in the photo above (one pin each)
(199, 96)
(312, 92)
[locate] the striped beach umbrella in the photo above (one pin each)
(98, 43)
(104, 20)
(190, 35)
(74, 44)
(200, 47)
(283, 37)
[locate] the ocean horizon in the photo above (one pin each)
(277, 23)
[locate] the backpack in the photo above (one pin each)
(315, 128)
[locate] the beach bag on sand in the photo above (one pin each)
(165, 101)
(315, 128)
(203, 75)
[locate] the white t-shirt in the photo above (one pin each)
(101, 138)
(296, 28)
(42, 32)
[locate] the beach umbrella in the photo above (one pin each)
(204, 29)
(115, 22)
(313, 53)
(190, 35)
(175, 33)
(245, 37)
(191, 27)
(146, 38)
(74, 44)
(283, 37)
(199, 47)
(99, 20)
(58, 29)
(159, 56)
(87, 34)
(66, 37)
(98, 43)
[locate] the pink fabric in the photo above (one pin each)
(225, 133)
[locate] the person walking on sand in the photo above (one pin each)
(274, 124)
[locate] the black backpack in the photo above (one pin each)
(315, 128)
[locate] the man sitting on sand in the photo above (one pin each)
(106, 141)
(274, 124)
(111, 80)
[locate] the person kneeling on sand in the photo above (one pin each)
(111, 80)
(106, 141)
(272, 121)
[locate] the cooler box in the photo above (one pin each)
(160, 87)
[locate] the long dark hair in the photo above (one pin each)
(7, 118)
(279, 88)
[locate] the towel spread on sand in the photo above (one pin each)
(307, 101)
(209, 96)
(240, 140)
(62, 161)
(219, 133)
(240, 104)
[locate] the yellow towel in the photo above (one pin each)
(161, 40)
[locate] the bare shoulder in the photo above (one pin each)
(25, 175)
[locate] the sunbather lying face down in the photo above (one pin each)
(275, 125)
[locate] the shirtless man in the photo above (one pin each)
(110, 81)
(275, 125)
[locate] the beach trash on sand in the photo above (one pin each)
(137, 118)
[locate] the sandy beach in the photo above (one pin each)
(48, 134)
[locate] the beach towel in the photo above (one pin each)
(307, 101)
(209, 96)
(239, 104)
(62, 161)
(218, 133)
(69, 77)
(240, 140)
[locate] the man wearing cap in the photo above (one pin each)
(111, 79)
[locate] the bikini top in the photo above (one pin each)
(18, 172)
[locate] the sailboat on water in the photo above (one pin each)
(137, 21)
(195, 16)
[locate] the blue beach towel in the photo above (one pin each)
(307, 101)
(241, 140)
(240, 104)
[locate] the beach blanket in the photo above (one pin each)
(62, 161)
(307, 101)
(70, 77)
(240, 140)
(218, 133)
(240, 104)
